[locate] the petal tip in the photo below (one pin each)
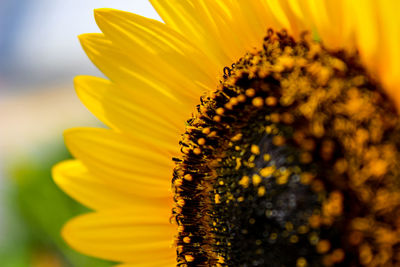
(55, 171)
(99, 12)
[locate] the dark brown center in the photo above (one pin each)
(292, 161)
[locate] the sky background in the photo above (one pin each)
(38, 39)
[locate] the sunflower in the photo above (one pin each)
(276, 121)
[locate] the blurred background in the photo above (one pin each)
(39, 56)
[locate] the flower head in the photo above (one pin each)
(275, 124)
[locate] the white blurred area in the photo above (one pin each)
(39, 56)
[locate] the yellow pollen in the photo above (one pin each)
(228, 105)
(337, 255)
(217, 118)
(212, 134)
(233, 101)
(341, 166)
(217, 199)
(197, 151)
(305, 158)
(306, 178)
(315, 221)
(278, 140)
(257, 102)
(365, 254)
(287, 118)
(261, 191)
(267, 171)
(302, 229)
(275, 118)
(220, 111)
(241, 98)
(283, 178)
(286, 61)
(238, 163)
(237, 137)
(206, 131)
(301, 262)
(201, 141)
(255, 149)
(271, 101)
(361, 224)
(188, 177)
(256, 179)
(250, 92)
(378, 167)
(189, 258)
(323, 246)
(244, 181)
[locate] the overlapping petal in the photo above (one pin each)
(226, 30)
(157, 123)
(139, 168)
(155, 263)
(123, 70)
(132, 236)
(389, 56)
(96, 193)
(179, 62)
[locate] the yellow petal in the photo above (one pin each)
(220, 28)
(120, 110)
(330, 19)
(135, 167)
(149, 41)
(140, 76)
(366, 30)
(139, 237)
(164, 263)
(339, 32)
(195, 21)
(389, 49)
(75, 179)
(287, 16)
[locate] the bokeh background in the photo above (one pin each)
(39, 56)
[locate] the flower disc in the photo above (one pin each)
(292, 161)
